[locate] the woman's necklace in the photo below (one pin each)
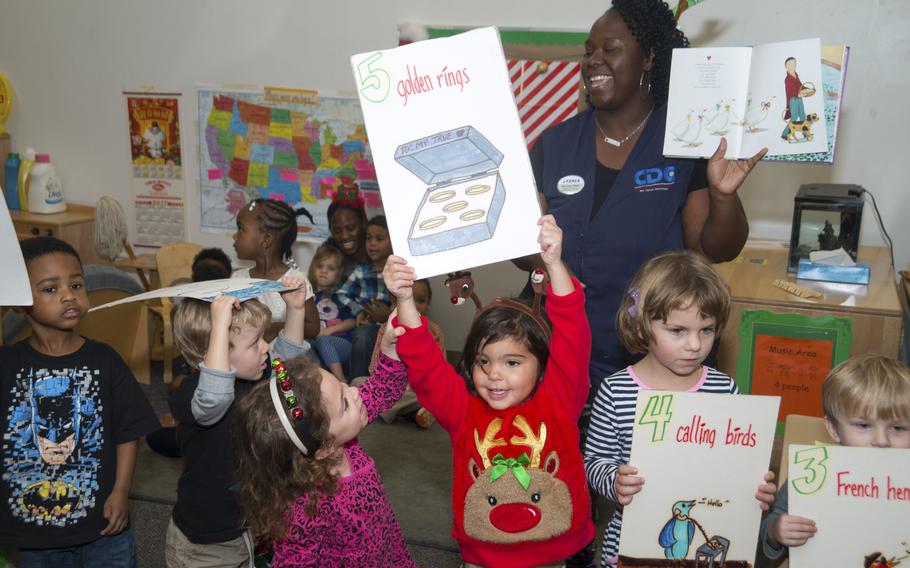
(619, 143)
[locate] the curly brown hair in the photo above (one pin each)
(271, 472)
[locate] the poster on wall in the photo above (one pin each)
(157, 182)
(449, 152)
(859, 499)
(702, 456)
(294, 145)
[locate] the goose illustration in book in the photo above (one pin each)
(723, 116)
(756, 114)
(683, 126)
(691, 137)
(678, 533)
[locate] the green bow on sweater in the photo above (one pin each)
(517, 466)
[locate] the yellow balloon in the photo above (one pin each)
(6, 99)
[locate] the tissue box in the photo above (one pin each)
(858, 274)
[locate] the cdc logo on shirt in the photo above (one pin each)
(655, 179)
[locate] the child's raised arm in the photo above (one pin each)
(550, 240)
(296, 309)
(399, 279)
(216, 357)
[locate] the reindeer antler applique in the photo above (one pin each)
(490, 441)
(535, 442)
(461, 287)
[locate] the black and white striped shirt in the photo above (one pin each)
(610, 437)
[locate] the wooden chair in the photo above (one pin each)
(175, 262)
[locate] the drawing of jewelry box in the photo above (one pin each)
(465, 194)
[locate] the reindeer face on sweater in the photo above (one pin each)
(516, 499)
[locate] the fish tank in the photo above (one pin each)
(826, 216)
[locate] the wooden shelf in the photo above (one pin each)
(76, 226)
(874, 309)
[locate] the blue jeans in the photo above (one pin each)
(362, 341)
(117, 551)
(797, 113)
(332, 349)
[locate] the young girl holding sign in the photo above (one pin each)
(519, 495)
(674, 308)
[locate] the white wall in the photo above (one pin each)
(69, 62)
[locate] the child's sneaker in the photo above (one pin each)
(424, 419)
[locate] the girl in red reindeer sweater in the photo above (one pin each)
(519, 495)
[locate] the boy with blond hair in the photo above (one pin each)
(867, 404)
(224, 341)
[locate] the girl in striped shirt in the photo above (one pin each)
(674, 308)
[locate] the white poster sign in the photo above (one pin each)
(859, 499)
(15, 289)
(449, 152)
(240, 288)
(702, 456)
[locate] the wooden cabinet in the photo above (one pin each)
(874, 309)
(76, 226)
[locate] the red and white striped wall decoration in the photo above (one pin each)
(546, 93)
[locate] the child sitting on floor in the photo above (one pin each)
(333, 344)
(366, 296)
(408, 406)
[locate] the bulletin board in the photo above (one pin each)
(789, 355)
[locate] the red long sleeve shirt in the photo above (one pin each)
(508, 510)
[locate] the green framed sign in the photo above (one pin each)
(789, 355)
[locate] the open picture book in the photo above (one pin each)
(782, 96)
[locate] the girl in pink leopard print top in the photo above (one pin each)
(305, 484)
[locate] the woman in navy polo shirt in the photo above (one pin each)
(603, 175)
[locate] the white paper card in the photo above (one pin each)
(15, 289)
(449, 152)
(859, 499)
(702, 456)
(240, 288)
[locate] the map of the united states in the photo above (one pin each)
(278, 151)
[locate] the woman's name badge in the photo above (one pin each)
(570, 185)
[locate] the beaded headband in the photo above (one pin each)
(299, 428)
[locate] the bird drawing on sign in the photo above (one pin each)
(677, 534)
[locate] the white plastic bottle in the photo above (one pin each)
(45, 192)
